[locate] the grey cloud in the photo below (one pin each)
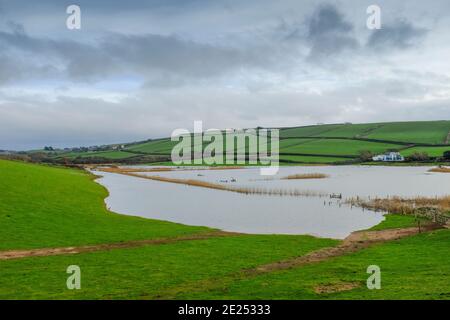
(173, 55)
(329, 33)
(67, 58)
(399, 35)
(327, 20)
(170, 57)
(170, 60)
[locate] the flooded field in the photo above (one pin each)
(270, 214)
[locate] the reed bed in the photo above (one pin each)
(242, 190)
(440, 169)
(305, 176)
(403, 205)
(217, 186)
(225, 168)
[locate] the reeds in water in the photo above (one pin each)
(217, 186)
(305, 176)
(403, 205)
(440, 169)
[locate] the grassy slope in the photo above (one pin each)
(49, 207)
(164, 146)
(352, 130)
(431, 151)
(103, 154)
(393, 221)
(338, 147)
(309, 131)
(311, 159)
(421, 132)
(159, 146)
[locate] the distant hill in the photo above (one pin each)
(327, 143)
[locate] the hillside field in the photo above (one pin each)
(333, 143)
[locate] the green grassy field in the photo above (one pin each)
(352, 130)
(433, 132)
(313, 159)
(308, 131)
(159, 146)
(338, 147)
(114, 155)
(412, 268)
(393, 221)
(46, 207)
(431, 151)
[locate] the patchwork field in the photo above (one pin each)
(434, 132)
(338, 140)
(337, 147)
(114, 155)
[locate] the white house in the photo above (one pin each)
(389, 157)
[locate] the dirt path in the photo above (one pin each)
(18, 254)
(354, 242)
(447, 140)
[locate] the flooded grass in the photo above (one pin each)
(436, 208)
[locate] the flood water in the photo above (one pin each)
(264, 214)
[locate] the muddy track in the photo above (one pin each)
(18, 254)
(356, 241)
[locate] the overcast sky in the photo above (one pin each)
(136, 71)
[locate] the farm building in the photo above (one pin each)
(389, 157)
